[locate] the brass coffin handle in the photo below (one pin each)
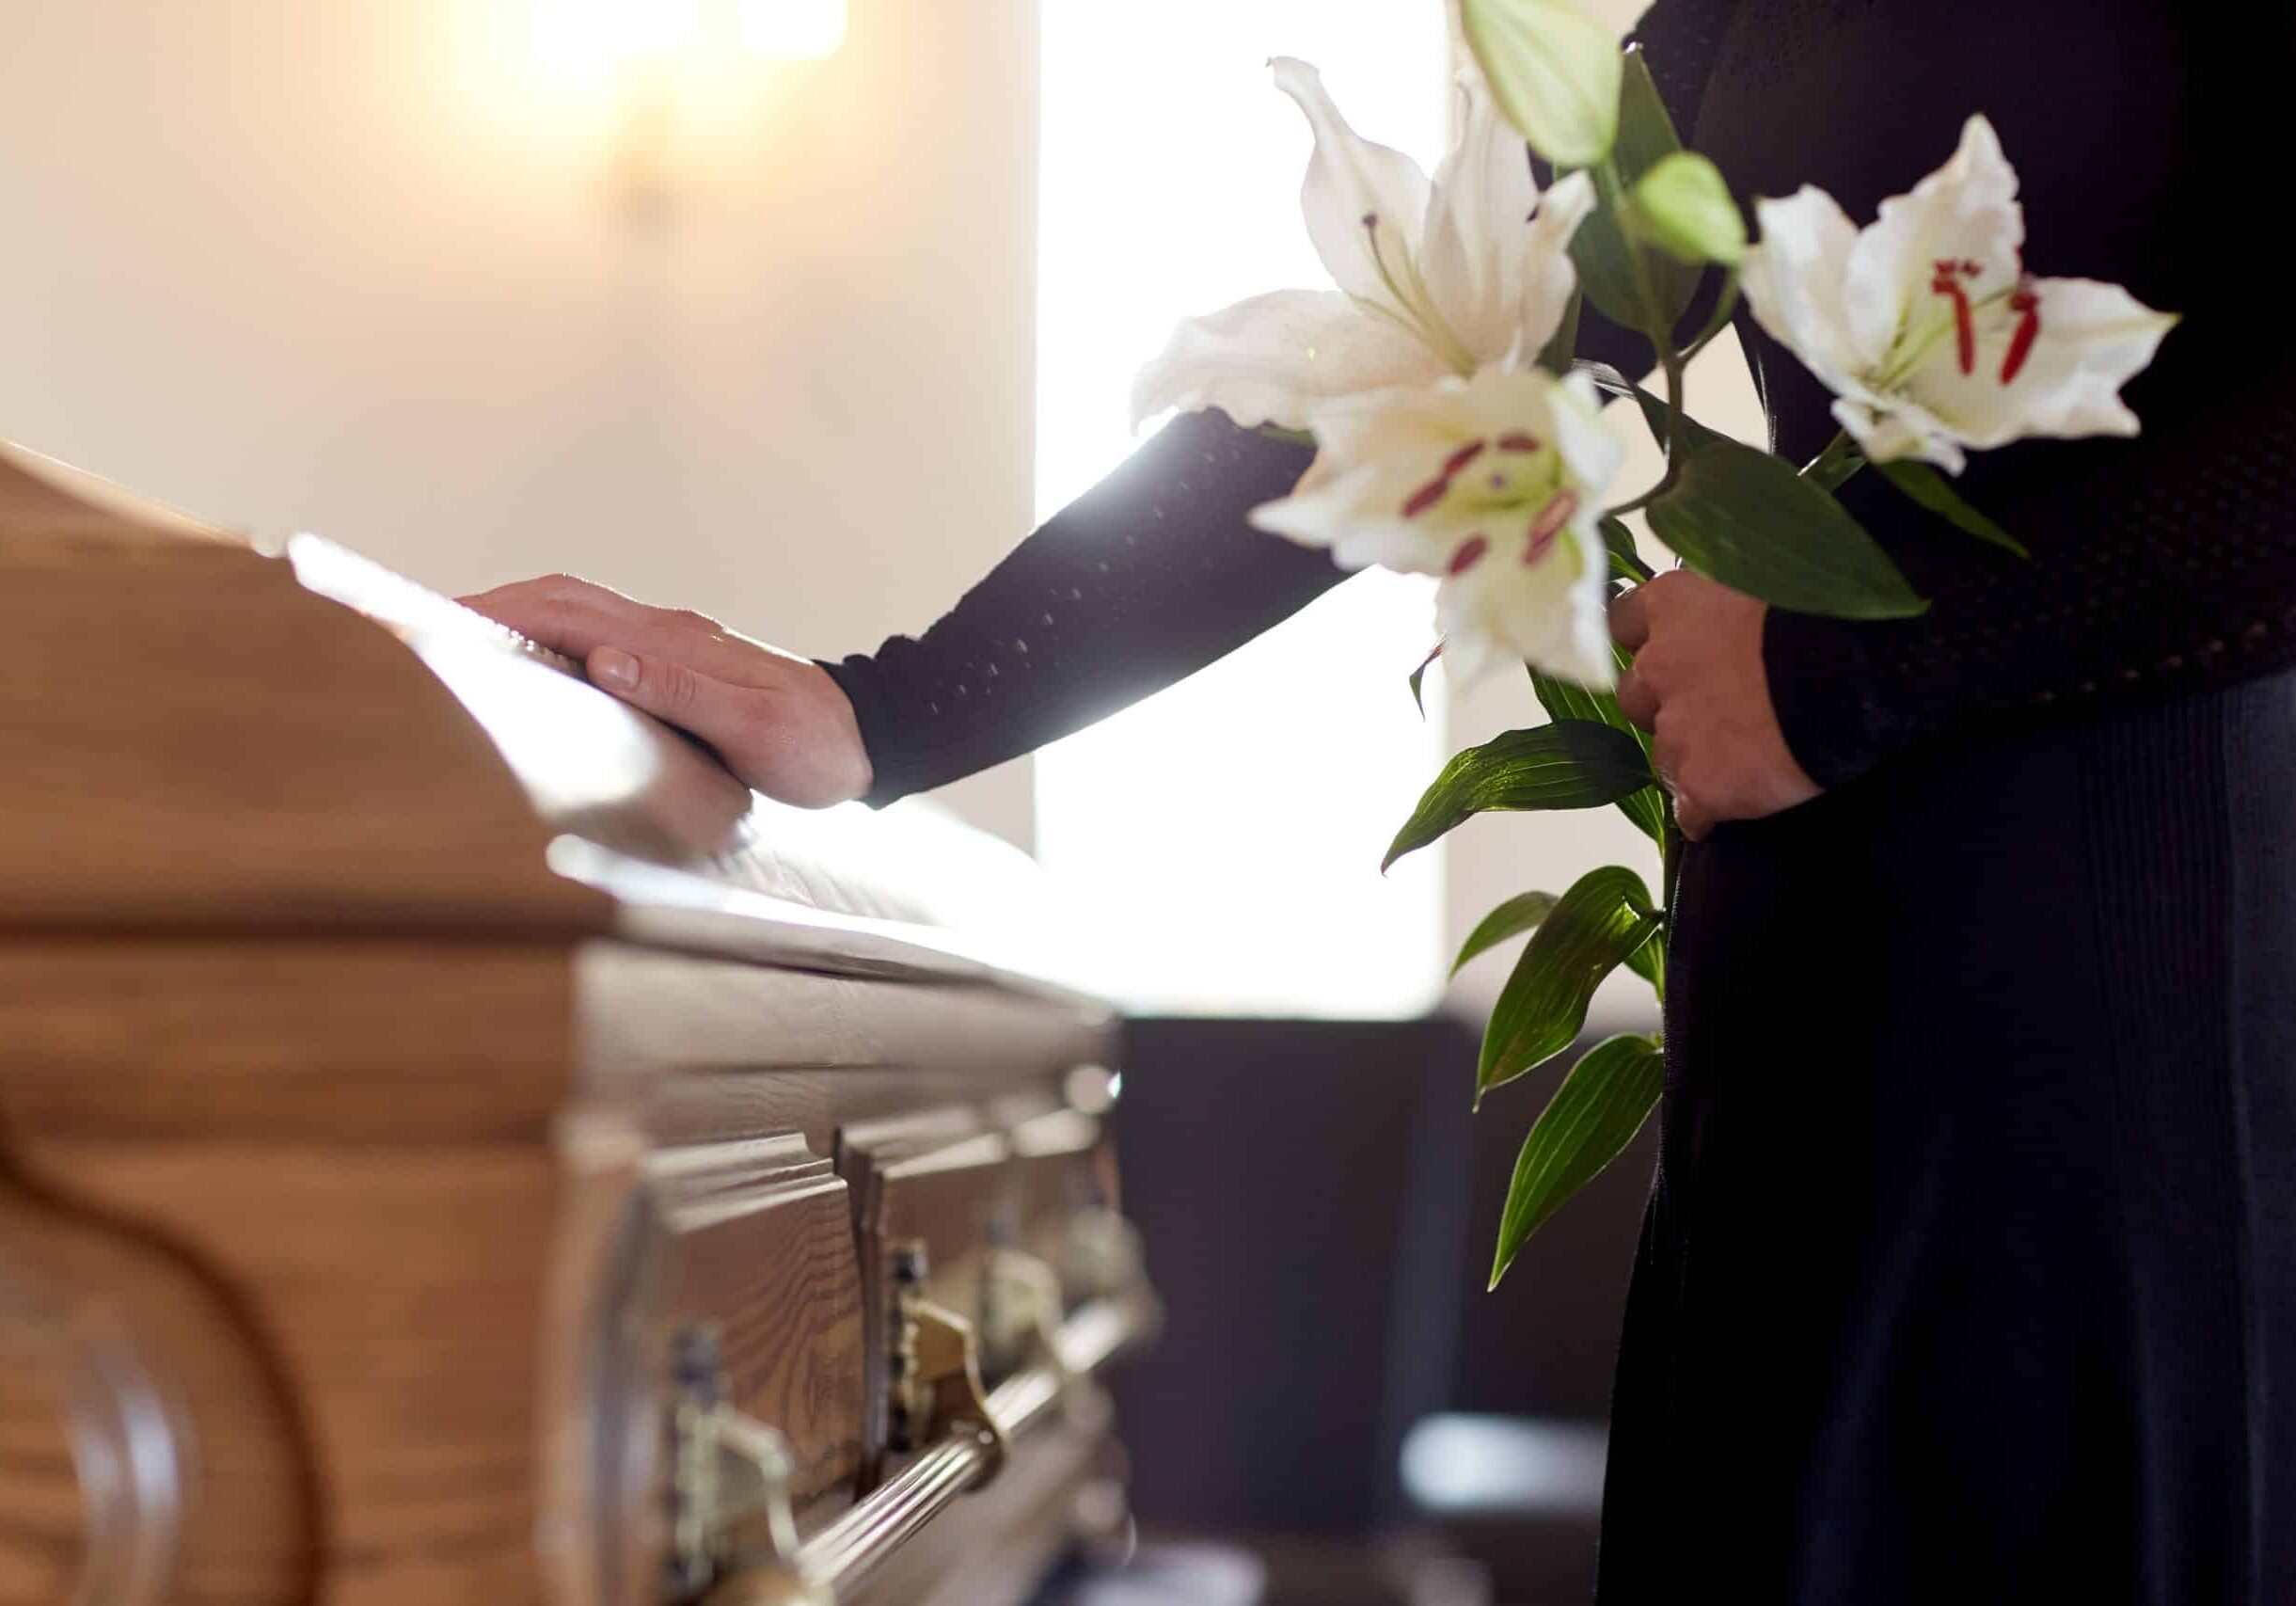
(758, 1560)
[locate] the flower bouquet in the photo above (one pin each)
(1458, 435)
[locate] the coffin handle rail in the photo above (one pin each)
(735, 1541)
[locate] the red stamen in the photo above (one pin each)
(1469, 553)
(1518, 441)
(2027, 308)
(1462, 458)
(1425, 495)
(1431, 492)
(1948, 282)
(1551, 519)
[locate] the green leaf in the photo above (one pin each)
(1611, 383)
(1568, 700)
(1555, 357)
(1927, 486)
(1572, 764)
(1517, 916)
(1648, 963)
(1683, 206)
(1554, 72)
(1602, 919)
(1626, 558)
(1646, 135)
(1421, 673)
(1589, 1122)
(1746, 519)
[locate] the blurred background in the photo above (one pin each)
(800, 313)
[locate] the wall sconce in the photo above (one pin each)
(652, 56)
(589, 35)
(793, 30)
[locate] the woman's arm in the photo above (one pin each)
(1144, 580)
(2162, 565)
(1149, 577)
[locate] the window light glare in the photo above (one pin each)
(1207, 875)
(793, 30)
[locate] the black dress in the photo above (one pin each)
(1970, 1267)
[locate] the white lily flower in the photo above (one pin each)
(1927, 326)
(1432, 278)
(1495, 484)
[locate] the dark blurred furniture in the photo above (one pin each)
(1322, 1204)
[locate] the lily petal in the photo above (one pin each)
(1926, 327)
(1888, 430)
(1472, 250)
(1364, 202)
(1492, 483)
(1549, 276)
(1352, 512)
(1592, 451)
(1965, 213)
(2088, 339)
(1553, 613)
(1271, 359)
(1793, 279)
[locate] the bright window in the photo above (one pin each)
(1227, 833)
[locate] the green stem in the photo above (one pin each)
(1627, 565)
(1835, 466)
(1725, 303)
(1613, 191)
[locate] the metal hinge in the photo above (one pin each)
(934, 1375)
(733, 1532)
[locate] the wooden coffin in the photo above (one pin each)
(456, 1144)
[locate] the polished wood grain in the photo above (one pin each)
(43, 1516)
(401, 1042)
(373, 1039)
(400, 1293)
(163, 696)
(122, 1310)
(762, 1245)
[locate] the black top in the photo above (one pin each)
(1970, 1267)
(2134, 127)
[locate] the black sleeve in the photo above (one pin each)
(1153, 572)
(2162, 565)
(1144, 580)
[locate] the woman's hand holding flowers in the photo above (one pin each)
(1699, 687)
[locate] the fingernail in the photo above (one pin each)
(613, 667)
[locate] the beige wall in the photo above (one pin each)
(365, 268)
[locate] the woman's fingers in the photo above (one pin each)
(577, 618)
(720, 714)
(1630, 619)
(1637, 701)
(780, 723)
(1692, 819)
(562, 614)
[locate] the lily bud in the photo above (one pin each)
(1683, 206)
(1553, 69)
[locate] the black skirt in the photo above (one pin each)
(1970, 1271)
